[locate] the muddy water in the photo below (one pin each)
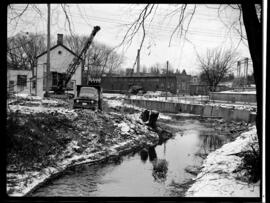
(151, 172)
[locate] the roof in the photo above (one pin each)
(57, 46)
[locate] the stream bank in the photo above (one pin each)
(224, 172)
(126, 134)
(87, 137)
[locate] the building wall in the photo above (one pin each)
(12, 76)
(58, 63)
(123, 84)
(183, 83)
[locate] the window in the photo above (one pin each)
(34, 84)
(59, 52)
(21, 80)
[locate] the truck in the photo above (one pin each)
(89, 96)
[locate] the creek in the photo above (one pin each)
(154, 171)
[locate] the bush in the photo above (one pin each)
(252, 163)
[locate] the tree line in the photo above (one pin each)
(23, 49)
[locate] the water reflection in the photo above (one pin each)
(160, 166)
(210, 141)
(144, 155)
(152, 154)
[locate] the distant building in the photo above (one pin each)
(148, 83)
(60, 58)
(195, 80)
(19, 81)
(176, 83)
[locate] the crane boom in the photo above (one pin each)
(76, 61)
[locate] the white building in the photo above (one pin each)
(19, 81)
(60, 58)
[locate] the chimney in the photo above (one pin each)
(59, 38)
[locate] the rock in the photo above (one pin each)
(194, 170)
(145, 115)
(153, 119)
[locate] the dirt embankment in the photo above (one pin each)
(44, 141)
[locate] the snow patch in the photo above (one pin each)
(217, 177)
(124, 127)
(236, 92)
(113, 95)
(40, 109)
(165, 117)
(115, 103)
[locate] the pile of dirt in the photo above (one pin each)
(33, 138)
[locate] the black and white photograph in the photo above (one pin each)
(135, 100)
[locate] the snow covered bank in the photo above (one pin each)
(97, 136)
(218, 177)
(113, 95)
(239, 92)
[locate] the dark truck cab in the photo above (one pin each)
(88, 97)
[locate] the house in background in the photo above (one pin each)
(19, 81)
(60, 58)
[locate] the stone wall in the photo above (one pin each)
(202, 110)
(233, 97)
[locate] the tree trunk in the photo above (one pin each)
(254, 36)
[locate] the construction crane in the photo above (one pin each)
(62, 84)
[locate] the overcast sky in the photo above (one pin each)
(206, 31)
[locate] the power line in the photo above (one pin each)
(121, 22)
(152, 26)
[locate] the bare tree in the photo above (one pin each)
(99, 59)
(22, 50)
(249, 17)
(216, 65)
(75, 42)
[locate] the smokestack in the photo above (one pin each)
(59, 38)
(138, 61)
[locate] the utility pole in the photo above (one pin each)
(138, 62)
(48, 51)
(238, 69)
(246, 71)
(238, 72)
(167, 80)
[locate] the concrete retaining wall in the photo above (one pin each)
(241, 97)
(203, 110)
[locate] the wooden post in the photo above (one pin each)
(48, 51)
